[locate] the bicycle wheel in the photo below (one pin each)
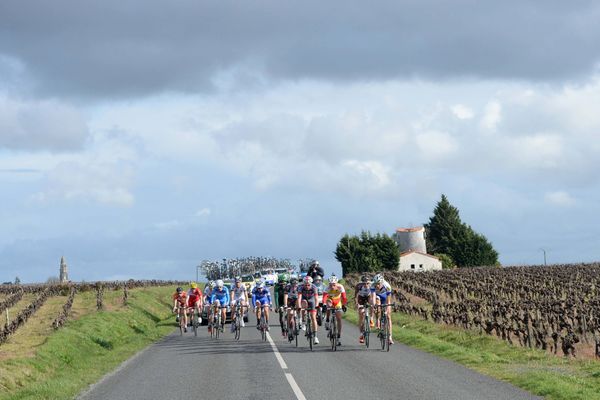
(333, 333)
(218, 327)
(195, 322)
(238, 327)
(309, 333)
(367, 330)
(296, 329)
(383, 330)
(263, 326)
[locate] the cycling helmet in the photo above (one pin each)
(179, 290)
(294, 280)
(260, 284)
(211, 284)
(364, 278)
(333, 279)
(308, 280)
(193, 285)
(316, 263)
(318, 279)
(220, 283)
(282, 278)
(377, 278)
(238, 279)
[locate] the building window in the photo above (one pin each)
(412, 266)
(421, 266)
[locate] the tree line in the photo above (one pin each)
(454, 242)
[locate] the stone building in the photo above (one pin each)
(413, 251)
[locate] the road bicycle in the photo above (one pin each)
(384, 329)
(217, 322)
(366, 323)
(308, 330)
(194, 319)
(237, 323)
(283, 326)
(263, 325)
(333, 327)
(292, 326)
(181, 319)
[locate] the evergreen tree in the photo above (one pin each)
(367, 253)
(447, 234)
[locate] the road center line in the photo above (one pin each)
(283, 365)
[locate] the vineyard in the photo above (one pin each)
(28, 299)
(551, 308)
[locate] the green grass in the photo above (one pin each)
(87, 348)
(533, 370)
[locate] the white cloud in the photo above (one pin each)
(205, 212)
(461, 111)
(492, 116)
(560, 198)
(436, 146)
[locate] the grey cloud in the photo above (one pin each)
(121, 49)
(41, 126)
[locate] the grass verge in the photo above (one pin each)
(87, 348)
(539, 373)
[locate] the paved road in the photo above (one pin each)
(182, 367)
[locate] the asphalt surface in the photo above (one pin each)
(188, 366)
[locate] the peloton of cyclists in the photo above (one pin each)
(335, 297)
(239, 297)
(261, 301)
(278, 294)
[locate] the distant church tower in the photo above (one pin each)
(64, 274)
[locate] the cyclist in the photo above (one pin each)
(362, 297)
(335, 297)
(219, 297)
(307, 298)
(381, 294)
(261, 297)
(278, 294)
(290, 297)
(180, 300)
(210, 286)
(239, 296)
(318, 282)
(315, 270)
(194, 296)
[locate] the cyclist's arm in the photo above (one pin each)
(226, 298)
(325, 296)
(253, 298)
(285, 300)
(276, 294)
(344, 298)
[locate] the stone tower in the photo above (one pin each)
(411, 239)
(64, 273)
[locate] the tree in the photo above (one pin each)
(447, 234)
(447, 262)
(367, 253)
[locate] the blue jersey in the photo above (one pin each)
(262, 295)
(221, 295)
(383, 292)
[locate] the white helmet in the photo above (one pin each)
(378, 278)
(220, 283)
(308, 279)
(333, 279)
(211, 284)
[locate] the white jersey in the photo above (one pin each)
(239, 292)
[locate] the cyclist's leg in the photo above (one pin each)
(313, 316)
(389, 321)
(378, 312)
(257, 310)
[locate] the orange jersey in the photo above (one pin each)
(336, 293)
(181, 298)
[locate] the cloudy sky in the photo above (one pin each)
(138, 138)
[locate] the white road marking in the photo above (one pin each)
(295, 387)
(283, 365)
(277, 355)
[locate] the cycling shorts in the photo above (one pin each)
(382, 297)
(192, 301)
(263, 301)
(336, 303)
(223, 302)
(362, 300)
(237, 300)
(292, 303)
(310, 305)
